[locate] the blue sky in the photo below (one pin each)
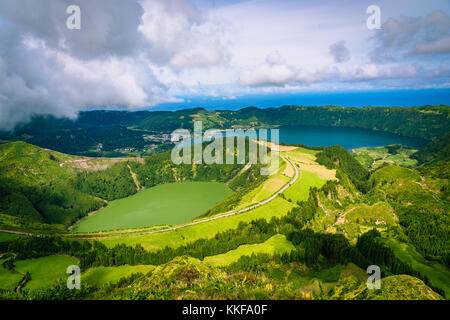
(142, 54)
(359, 99)
(286, 47)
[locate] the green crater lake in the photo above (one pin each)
(172, 203)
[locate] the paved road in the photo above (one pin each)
(18, 232)
(215, 217)
(256, 205)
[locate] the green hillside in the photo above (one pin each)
(400, 287)
(276, 244)
(375, 157)
(102, 276)
(44, 271)
(36, 187)
(313, 241)
(41, 187)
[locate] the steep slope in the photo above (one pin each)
(438, 150)
(35, 186)
(44, 186)
(400, 287)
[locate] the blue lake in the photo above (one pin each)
(348, 138)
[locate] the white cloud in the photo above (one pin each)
(197, 57)
(275, 58)
(179, 35)
(410, 36)
(274, 72)
(339, 52)
(140, 53)
(229, 98)
(48, 69)
(373, 71)
(440, 46)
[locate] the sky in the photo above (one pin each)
(144, 54)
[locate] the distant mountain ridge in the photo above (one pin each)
(114, 130)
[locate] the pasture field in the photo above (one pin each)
(374, 157)
(306, 161)
(101, 276)
(267, 188)
(276, 208)
(8, 279)
(299, 151)
(5, 237)
(294, 276)
(356, 220)
(167, 204)
(45, 271)
(437, 274)
(175, 238)
(299, 191)
(276, 244)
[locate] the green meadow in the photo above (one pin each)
(8, 279)
(300, 189)
(101, 276)
(5, 237)
(374, 157)
(45, 271)
(276, 208)
(276, 244)
(175, 238)
(166, 204)
(438, 275)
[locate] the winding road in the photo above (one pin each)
(19, 232)
(256, 205)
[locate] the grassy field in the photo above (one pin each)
(299, 151)
(438, 275)
(276, 208)
(267, 188)
(312, 175)
(299, 191)
(157, 206)
(306, 161)
(276, 244)
(374, 157)
(4, 237)
(101, 276)
(8, 279)
(45, 271)
(358, 219)
(299, 278)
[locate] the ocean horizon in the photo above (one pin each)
(358, 99)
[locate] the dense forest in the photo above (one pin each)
(113, 183)
(337, 157)
(34, 186)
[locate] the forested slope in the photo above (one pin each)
(118, 130)
(34, 186)
(40, 185)
(392, 216)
